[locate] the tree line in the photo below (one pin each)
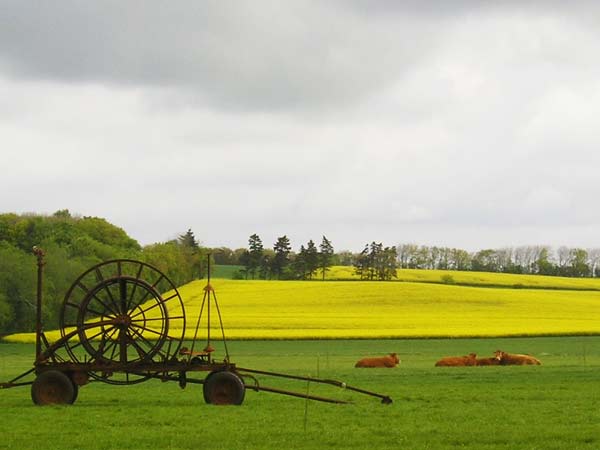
(73, 245)
(281, 263)
(537, 260)
(376, 262)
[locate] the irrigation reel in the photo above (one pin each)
(123, 322)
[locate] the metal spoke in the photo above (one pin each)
(112, 308)
(147, 294)
(101, 323)
(162, 277)
(135, 285)
(141, 352)
(114, 351)
(88, 292)
(139, 272)
(97, 313)
(158, 318)
(112, 346)
(147, 329)
(144, 298)
(103, 340)
(106, 307)
(83, 287)
(143, 328)
(146, 341)
(123, 296)
(107, 289)
(90, 338)
(122, 346)
(141, 336)
(155, 305)
(135, 333)
(111, 342)
(131, 297)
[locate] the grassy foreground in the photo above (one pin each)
(553, 406)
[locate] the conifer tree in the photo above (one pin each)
(299, 264)
(281, 260)
(255, 254)
(325, 255)
(311, 259)
(188, 240)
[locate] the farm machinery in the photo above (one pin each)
(123, 322)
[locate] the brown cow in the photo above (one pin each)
(453, 361)
(508, 359)
(390, 360)
(487, 361)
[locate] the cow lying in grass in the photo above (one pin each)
(454, 361)
(390, 360)
(507, 359)
(487, 361)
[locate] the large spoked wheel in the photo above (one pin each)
(123, 325)
(224, 388)
(125, 312)
(53, 388)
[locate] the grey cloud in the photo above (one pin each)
(466, 125)
(241, 55)
(244, 55)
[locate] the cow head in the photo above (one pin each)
(499, 355)
(395, 358)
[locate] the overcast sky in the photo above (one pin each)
(462, 124)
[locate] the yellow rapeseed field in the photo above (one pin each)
(337, 309)
(476, 278)
(361, 309)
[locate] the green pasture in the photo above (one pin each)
(223, 271)
(553, 406)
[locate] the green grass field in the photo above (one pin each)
(228, 272)
(553, 406)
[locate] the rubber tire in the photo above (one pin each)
(53, 388)
(224, 388)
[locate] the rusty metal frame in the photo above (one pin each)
(172, 369)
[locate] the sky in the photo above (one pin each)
(469, 124)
